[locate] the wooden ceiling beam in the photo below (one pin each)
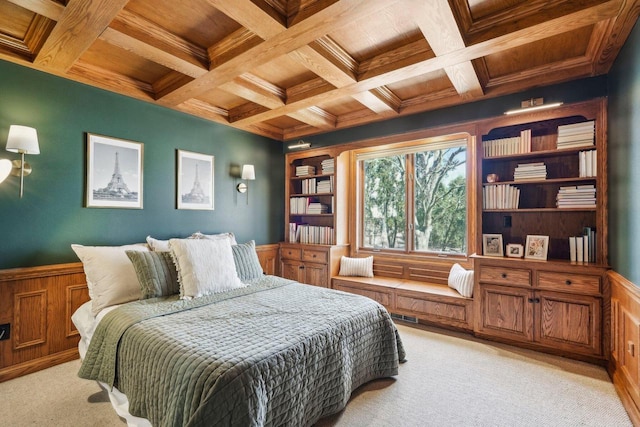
(152, 53)
(49, 8)
(256, 90)
(338, 15)
(110, 80)
(387, 74)
(264, 21)
(233, 45)
(77, 29)
(316, 117)
(440, 29)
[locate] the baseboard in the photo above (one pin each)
(39, 364)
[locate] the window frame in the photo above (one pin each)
(412, 146)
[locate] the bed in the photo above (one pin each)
(269, 352)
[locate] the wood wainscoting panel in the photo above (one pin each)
(624, 363)
(38, 303)
(268, 256)
(30, 319)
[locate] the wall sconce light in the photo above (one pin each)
(22, 140)
(248, 174)
(533, 104)
(299, 145)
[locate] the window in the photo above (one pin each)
(413, 199)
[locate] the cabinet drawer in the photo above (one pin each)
(314, 256)
(505, 276)
(382, 296)
(290, 253)
(567, 282)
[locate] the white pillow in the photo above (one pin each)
(356, 266)
(230, 236)
(205, 266)
(158, 245)
(461, 280)
(111, 278)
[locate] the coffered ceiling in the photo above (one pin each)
(291, 68)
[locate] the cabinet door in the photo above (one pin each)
(505, 312)
(316, 274)
(290, 269)
(569, 322)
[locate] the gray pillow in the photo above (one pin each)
(156, 273)
(246, 259)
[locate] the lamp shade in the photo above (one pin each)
(22, 139)
(248, 172)
(5, 168)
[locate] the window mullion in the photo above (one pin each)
(409, 205)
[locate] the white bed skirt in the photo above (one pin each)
(86, 325)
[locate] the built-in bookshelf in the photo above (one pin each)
(544, 173)
(311, 195)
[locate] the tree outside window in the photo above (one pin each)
(421, 193)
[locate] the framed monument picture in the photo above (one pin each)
(114, 173)
(195, 181)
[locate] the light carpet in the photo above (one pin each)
(449, 379)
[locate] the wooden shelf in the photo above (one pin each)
(310, 194)
(540, 154)
(545, 181)
(541, 210)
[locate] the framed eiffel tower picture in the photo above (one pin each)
(195, 181)
(114, 172)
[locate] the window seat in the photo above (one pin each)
(433, 303)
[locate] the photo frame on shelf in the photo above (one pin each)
(537, 247)
(114, 173)
(194, 188)
(515, 250)
(492, 245)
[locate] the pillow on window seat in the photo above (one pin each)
(461, 280)
(362, 267)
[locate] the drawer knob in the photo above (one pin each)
(504, 275)
(567, 282)
(314, 255)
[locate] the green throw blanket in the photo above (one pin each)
(274, 353)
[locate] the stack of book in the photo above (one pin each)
(298, 205)
(500, 196)
(328, 166)
(583, 248)
(305, 170)
(314, 234)
(580, 196)
(588, 163)
(325, 186)
(508, 146)
(530, 172)
(309, 186)
(576, 135)
(316, 208)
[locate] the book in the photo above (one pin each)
(579, 249)
(572, 248)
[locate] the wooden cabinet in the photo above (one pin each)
(525, 203)
(549, 305)
(311, 264)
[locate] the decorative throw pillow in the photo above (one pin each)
(230, 236)
(158, 245)
(156, 273)
(111, 278)
(247, 261)
(204, 266)
(461, 280)
(356, 266)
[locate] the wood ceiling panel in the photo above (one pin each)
(284, 72)
(116, 60)
(427, 83)
(198, 22)
(374, 35)
(14, 20)
(290, 68)
(548, 51)
(482, 8)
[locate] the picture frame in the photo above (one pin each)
(114, 173)
(195, 180)
(492, 245)
(515, 250)
(536, 247)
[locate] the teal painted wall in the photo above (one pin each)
(39, 228)
(624, 159)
